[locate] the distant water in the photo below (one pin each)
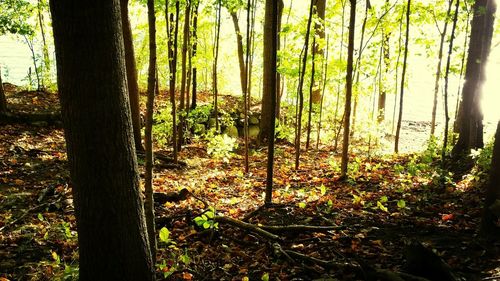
(15, 60)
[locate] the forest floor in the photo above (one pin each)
(386, 202)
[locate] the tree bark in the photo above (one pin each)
(489, 227)
(216, 58)
(403, 76)
(185, 43)
(271, 19)
(148, 135)
(318, 49)
(133, 87)
(267, 90)
(3, 99)
(300, 93)
(112, 235)
(195, 49)
(348, 95)
(239, 44)
(471, 118)
(172, 29)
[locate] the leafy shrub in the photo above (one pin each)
(162, 126)
(221, 146)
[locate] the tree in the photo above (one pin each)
(267, 90)
(348, 95)
(403, 76)
(185, 43)
(133, 87)
(148, 136)
(112, 236)
(438, 68)
(172, 30)
(195, 48)
(3, 99)
(489, 226)
(300, 94)
(470, 119)
(215, 89)
(271, 19)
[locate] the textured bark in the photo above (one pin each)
(488, 223)
(133, 87)
(185, 44)
(267, 90)
(214, 66)
(112, 235)
(272, 21)
(300, 94)
(172, 29)
(239, 44)
(148, 134)
(195, 49)
(403, 76)
(471, 118)
(318, 50)
(348, 95)
(3, 99)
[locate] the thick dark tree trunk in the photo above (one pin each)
(267, 90)
(403, 76)
(491, 212)
(271, 20)
(3, 99)
(133, 87)
(148, 135)
(471, 118)
(112, 235)
(348, 95)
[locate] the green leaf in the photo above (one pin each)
(165, 235)
(401, 204)
(323, 190)
(382, 207)
(185, 259)
(302, 205)
(330, 203)
(265, 277)
(40, 217)
(206, 225)
(210, 214)
(383, 199)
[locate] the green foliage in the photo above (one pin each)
(14, 17)
(206, 220)
(284, 132)
(162, 126)
(221, 146)
(164, 235)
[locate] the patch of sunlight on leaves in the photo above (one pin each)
(382, 207)
(401, 204)
(164, 235)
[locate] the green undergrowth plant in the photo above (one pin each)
(221, 146)
(162, 126)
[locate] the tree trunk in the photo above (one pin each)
(311, 90)
(112, 235)
(300, 93)
(491, 214)
(438, 69)
(384, 75)
(45, 48)
(348, 95)
(471, 118)
(403, 76)
(271, 19)
(195, 49)
(182, 107)
(216, 58)
(3, 99)
(337, 102)
(267, 90)
(446, 79)
(172, 66)
(239, 44)
(318, 50)
(148, 136)
(325, 78)
(133, 87)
